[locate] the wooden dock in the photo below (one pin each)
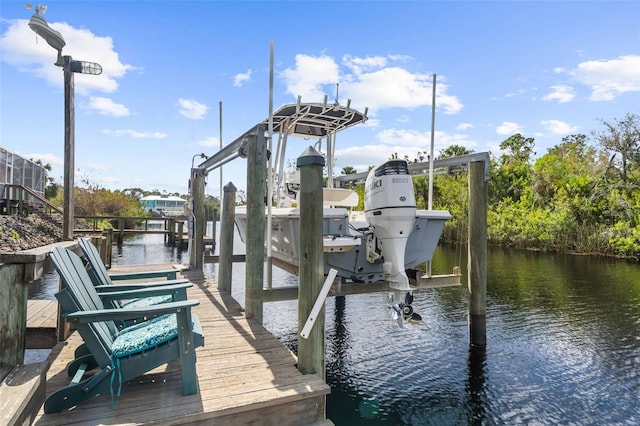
(42, 319)
(246, 376)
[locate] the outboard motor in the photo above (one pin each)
(390, 209)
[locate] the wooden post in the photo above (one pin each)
(214, 216)
(225, 266)
(108, 233)
(311, 273)
(179, 234)
(120, 230)
(197, 192)
(13, 314)
(98, 241)
(256, 181)
(69, 148)
(478, 202)
(171, 232)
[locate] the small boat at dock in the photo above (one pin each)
(377, 244)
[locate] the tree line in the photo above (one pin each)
(581, 196)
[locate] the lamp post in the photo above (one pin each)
(54, 39)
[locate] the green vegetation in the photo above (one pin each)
(582, 196)
(575, 198)
(578, 197)
(92, 200)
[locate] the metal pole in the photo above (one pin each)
(220, 119)
(433, 126)
(311, 350)
(69, 149)
(270, 175)
(225, 266)
(477, 254)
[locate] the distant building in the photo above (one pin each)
(164, 205)
(16, 173)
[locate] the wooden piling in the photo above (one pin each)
(120, 230)
(478, 201)
(197, 237)
(177, 240)
(310, 277)
(108, 234)
(226, 238)
(256, 181)
(171, 235)
(13, 314)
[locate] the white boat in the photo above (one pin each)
(378, 244)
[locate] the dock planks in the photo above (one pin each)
(245, 375)
(42, 317)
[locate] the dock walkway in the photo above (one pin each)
(245, 375)
(42, 319)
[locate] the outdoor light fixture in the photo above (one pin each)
(54, 39)
(201, 155)
(51, 36)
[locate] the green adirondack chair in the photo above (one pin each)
(120, 356)
(103, 281)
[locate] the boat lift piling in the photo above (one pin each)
(196, 235)
(477, 258)
(311, 274)
(225, 266)
(256, 184)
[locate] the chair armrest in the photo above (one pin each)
(85, 317)
(133, 286)
(144, 292)
(170, 274)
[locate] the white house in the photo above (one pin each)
(165, 205)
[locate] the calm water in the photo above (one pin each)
(563, 344)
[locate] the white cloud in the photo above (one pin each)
(22, 49)
(309, 75)
(210, 142)
(240, 79)
(360, 65)
(508, 128)
(403, 142)
(106, 106)
(611, 78)
(558, 127)
(560, 93)
(192, 109)
(135, 134)
(372, 82)
(46, 158)
(464, 126)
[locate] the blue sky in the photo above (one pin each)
(544, 69)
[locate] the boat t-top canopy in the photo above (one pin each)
(315, 120)
(306, 120)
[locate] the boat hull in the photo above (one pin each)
(345, 241)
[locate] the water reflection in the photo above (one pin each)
(476, 395)
(563, 347)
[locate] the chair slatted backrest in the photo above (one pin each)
(97, 271)
(101, 353)
(73, 273)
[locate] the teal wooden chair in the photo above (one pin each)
(121, 355)
(103, 280)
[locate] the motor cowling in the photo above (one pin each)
(390, 209)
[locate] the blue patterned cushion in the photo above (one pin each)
(144, 336)
(144, 302)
